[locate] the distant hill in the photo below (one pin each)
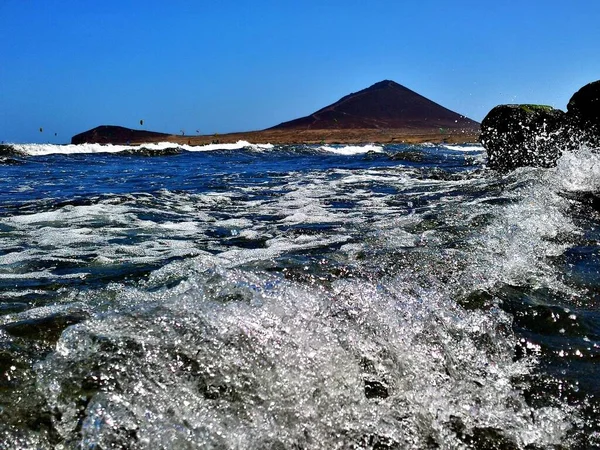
(112, 134)
(385, 105)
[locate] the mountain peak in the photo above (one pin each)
(384, 105)
(384, 84)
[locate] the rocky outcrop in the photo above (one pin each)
(583, 111)
(535, 135)
(522, 135)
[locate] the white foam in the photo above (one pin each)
(579, 171)
(464, 148)
(517, 245)
(353, 149)
(276, 247)
(236, 146)
(41, 274)
(287, 355)
(234, 223)
(72, 149)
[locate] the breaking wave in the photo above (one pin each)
(148, 148)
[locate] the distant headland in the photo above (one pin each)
(385, 112)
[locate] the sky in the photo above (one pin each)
(221, 66)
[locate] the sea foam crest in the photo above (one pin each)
(71, 149)
(579, 170)
(352, 149)
(464, 147)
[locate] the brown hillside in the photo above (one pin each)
(385, 105)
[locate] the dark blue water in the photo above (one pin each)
(296, 297)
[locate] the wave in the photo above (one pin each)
(361, 362)
(464, 147)
(352, 149)
(169, 148)
(156, 148)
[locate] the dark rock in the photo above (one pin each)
(378, 442)
(583, 112)
(534, 135)
(481, 438)
(591, 199)
(9, 150)
(412, 156)
(375, 389)
(523, 135)
(144, 151)
(375, 385)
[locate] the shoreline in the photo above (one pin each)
(306, 136)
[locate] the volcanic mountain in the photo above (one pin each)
(385, 105)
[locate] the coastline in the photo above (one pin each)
(335, 136)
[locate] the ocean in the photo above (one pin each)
(240, 296)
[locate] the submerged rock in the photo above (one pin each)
(522, 135)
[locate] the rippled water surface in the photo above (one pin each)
(297, 297)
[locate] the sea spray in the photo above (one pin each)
(244, 361)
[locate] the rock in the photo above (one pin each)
(534, 135)
(523, 135)
(583, 112)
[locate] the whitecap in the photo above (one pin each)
(353, 149)
(88, 148)
(464, 147)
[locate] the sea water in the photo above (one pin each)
(297, 297)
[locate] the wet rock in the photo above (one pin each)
(408, 155)
(378, 442)
(375, 385)
(145, 151)
(583, 112)
(534, 135)
(486, 438)
(522, 135)
(9, 150)
(375, 389)
(590, 199)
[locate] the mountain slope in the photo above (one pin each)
(382, 106)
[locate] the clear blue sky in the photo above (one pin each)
(221, 66)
